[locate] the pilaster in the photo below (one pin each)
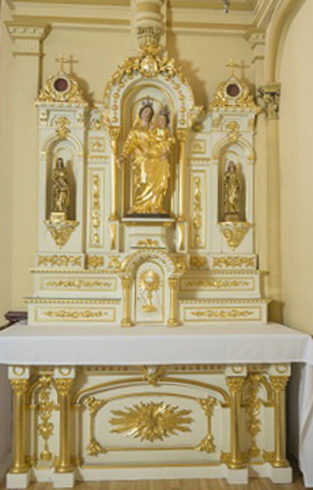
(28, 50)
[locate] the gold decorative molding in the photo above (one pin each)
(79, 284)
(197, 212)
(94, 448)
(148, 64)
(224, 314)
(253, 407)
(234, 232)
(270, 98)
(96, 210)
(207, 444)
(75, 314)
(147, 243)
(61, 230)
(62, 127)
(114, 263)
(151, 421)
(234, 262)
(180, 263)
(95, 261)
(45, 409)
(215, 283)
(60, 260)
(197, 262)
(233, 129)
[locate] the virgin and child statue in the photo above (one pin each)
(149, 144)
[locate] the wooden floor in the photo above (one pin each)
(254, 484)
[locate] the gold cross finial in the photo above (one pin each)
(62, 60)
(231, 64)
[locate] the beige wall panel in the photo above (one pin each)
(296, 75)
(203, 58)
(6, 167)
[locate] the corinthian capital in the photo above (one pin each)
(270, 99)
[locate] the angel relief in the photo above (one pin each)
(149, 143)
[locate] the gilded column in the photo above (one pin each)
(279, 385)
(63, 387)
(173, 320)
(19, 387)
(182, 136)
(235, 384)
(126, 320)
(114, 135)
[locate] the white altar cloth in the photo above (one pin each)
(214, 344)
(113, 345)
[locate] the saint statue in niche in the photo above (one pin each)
(61, 194)
(149, 145)
(232, 189)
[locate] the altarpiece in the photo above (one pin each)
(146, 217)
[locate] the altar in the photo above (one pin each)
(194, 402)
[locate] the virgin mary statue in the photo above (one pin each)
(149, 146)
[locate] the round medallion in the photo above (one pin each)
(61, 85)
(233, 90)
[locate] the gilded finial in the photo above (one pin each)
(232, 65)
(62, 60)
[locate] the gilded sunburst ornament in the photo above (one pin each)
(151, 421)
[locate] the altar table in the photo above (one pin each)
(23, 345)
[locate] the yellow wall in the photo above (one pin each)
(6, 195)
(202, 56)
(296, 170)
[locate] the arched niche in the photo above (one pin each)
(149, 285)
(66, 150)
(241, 154)
(149, 66)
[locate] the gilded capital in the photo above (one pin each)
(64, 386)
(173, 282)
(19, 386)
(270, 99)
(235, 383)
(182, 134)
(208, 404)
(279, 383)
(114, 132)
